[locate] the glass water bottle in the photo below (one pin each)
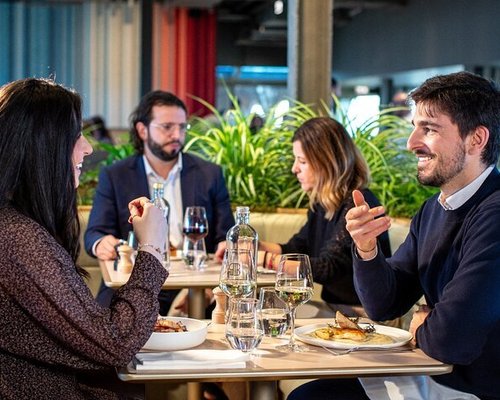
(160, 202)
(243, 235)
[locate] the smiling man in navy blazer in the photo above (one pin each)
(158, 132)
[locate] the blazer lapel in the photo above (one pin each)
(138, 175)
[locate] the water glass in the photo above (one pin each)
(194, 254)
(243, 326)
(273, 312)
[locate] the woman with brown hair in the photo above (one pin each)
(329, 167)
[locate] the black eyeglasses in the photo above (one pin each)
(168, 127)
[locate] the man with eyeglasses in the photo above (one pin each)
(158, 131)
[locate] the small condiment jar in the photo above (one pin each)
(125, 259)
(219, 312)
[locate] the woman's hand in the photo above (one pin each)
(150, 226)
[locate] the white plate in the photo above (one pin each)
(399, 336)
(167, 341)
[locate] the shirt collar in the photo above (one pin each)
(177, 168)
(459, 198)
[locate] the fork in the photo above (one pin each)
(350, 350)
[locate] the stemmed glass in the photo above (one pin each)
(238, 274)
(294, 284)
(195, 228)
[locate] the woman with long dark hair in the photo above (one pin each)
(56, 342)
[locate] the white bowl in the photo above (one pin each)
(167, 341)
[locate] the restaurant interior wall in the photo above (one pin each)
(421, 35)
(406, 44)
(95, 46)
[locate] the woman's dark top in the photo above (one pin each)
(328, 245)
(55, 340)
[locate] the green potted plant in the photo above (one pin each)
(256, 163)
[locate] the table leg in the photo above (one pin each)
(196, 300)
(194, 391)
(263, 390)
(162, 391)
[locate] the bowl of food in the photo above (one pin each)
(176, 333)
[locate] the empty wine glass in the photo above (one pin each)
(273, 311)
(294, 284)
(195, 228)
(238, 274)
(244, 326)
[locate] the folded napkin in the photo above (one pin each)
(190, 359)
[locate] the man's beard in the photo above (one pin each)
(158, 151)
(445, 170)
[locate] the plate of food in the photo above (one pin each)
(176, 333)
(344, 333)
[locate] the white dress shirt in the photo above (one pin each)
(459, 198)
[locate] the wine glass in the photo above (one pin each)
(243, 326)
(195, 228)
(294, 284)
(238, 274)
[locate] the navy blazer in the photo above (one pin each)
(202, 184)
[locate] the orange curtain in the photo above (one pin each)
(184, 54)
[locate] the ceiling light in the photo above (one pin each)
(278, 7)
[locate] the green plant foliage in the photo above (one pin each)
(88, 179)
(256, 164)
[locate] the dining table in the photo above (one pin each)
(266, 365)
(195, 280)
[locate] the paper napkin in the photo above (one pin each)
(190, 359)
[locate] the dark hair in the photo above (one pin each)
(142, 113)
(337, 163)
(40, 123)
(469, 100)
(97, 128)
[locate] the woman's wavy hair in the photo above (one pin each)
(40, 122)
(144, 111)
(335, 160)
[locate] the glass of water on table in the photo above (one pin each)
(273, 311)
(243, 326)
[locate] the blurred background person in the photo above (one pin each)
(57, 342)
(95, 128)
